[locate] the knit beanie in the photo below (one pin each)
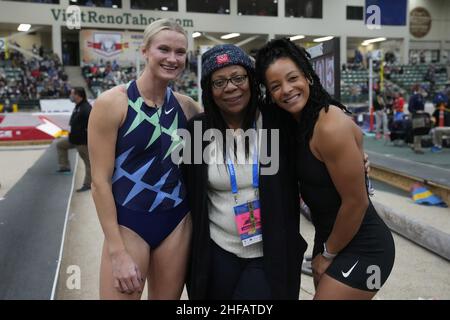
(222, 56)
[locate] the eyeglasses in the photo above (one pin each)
(236, 80)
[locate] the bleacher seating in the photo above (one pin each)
(398, 78)
(416, 74)
(25, 81)
(103, 76)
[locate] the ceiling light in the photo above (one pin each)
(293, 38)
(323, 39)
(24, 27)
(114, 6)
(164, 8)
(369, 41)
(230, 36)
(196, 34)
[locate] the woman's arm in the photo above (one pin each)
(104, 122)
(338, 143)
(106, 117)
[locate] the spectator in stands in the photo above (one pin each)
(441, 120)
(77, 136)
(115, 66)
(399, 103)
(422, 56)
(431, 77)
(355, 92)
(34, 49)
(416, 105)
(379, 106)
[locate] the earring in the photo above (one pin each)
(310, 81)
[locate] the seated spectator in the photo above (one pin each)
(441, 120)
(399, 103)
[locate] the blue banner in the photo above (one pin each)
(392, 12)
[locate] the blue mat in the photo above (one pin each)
(32, 219)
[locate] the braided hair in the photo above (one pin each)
(318, 96)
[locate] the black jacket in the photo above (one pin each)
(416, 103)
(283, 247)
(79, 123)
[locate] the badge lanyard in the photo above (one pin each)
(233, 181)
(247, 215)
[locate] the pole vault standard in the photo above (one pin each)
(371, 92)
(373, 55)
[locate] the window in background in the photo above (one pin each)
(355, 13)
(38, 1)
(258, 7)
(304, 8)
(208, 6)
(158, 5)
(98, 3)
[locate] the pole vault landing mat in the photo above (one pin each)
(32, 126)
(32, 219)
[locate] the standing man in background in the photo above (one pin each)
(77, 136)
(379, 106)
(416, 105)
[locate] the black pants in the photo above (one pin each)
(234, 278)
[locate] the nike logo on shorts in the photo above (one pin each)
(168, 111)
(346, 274)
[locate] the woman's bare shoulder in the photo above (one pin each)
(115, 96)
(112, 104)
(189, 105)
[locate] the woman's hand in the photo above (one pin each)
(319, 266)
(126, 274)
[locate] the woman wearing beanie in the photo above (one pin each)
(354, 251)
(245, 214)
(138, 191)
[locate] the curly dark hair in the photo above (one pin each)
(318, 96)
(214, 118)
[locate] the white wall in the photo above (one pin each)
(26, 41)
(333, 13)
(333, 22)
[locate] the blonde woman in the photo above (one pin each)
(137, 189)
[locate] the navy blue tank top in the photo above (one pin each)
(145, 177)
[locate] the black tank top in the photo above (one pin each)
(319, 193)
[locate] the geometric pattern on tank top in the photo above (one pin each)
(136, 176)
(154, 120)
(140, 185)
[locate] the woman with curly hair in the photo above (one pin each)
(353, 252)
